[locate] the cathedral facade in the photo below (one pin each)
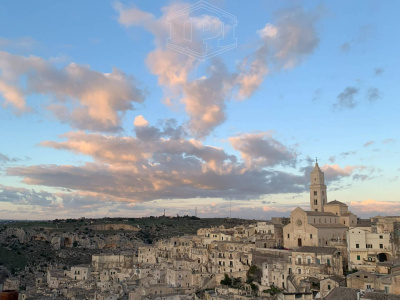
(324, 223)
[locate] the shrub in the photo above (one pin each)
(226, 281)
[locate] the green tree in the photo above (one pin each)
(237, 281)
(226, 281)
(254, 287)
(273, 290)
(254, 274)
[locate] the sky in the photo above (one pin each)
(127, 108)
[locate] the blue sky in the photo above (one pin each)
(100, 118)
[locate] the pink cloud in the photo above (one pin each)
(282, 46)
(82, 97)
(373, 207)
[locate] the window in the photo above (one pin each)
(310, 235)
(329, 287)
(299, 271)
(299, 260)
(357, 245)
(288, 235)
(358, 257)
(290, 270)
(328, 262)
(381, 246)
(368, 286)
(386, 289)
(315, 193)
(309, 261)
(381, 236)
(368, 246)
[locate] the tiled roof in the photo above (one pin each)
(342, 293)
(335, 202)
(320, 213)
(336, 278)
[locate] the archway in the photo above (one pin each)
(67, 242)
(382, 257)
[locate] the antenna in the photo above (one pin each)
(195, 211)
(164, 212)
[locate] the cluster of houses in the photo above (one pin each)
(323, 253)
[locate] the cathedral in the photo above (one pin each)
(324, 223)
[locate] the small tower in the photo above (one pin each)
(318, 196)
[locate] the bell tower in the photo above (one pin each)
(318, 197)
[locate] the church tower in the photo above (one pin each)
(318, 197)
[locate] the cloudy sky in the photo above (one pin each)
(127, 108)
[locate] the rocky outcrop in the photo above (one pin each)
(88, 240)
(115, 227)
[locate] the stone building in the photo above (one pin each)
(328, 284)
(366, 248)
(296, 271)
(389, 283)
(79, 272)
(181, 278)
(325, 222)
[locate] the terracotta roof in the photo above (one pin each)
(335, 202)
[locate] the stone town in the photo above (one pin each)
(323, 253)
